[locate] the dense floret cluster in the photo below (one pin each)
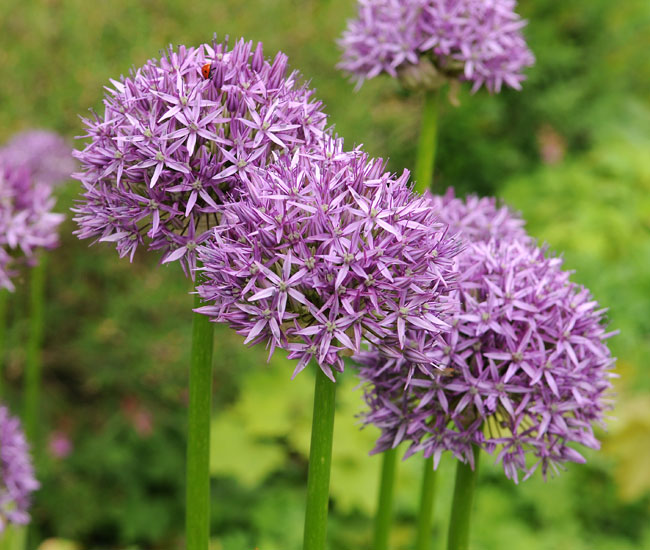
(17, 480)
(179, 137)
(45, 154)
(327, 251)
(526, 367)
(428, 40)
(477, 219)
(27, 222)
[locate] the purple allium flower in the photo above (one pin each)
(46, 154)
(477, 218)
(27, 222)
(422, 40)
(172, 145)
(328, 250)
(527, 370)
(17, 480)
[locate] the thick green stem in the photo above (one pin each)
(320, 460)
(383, 518)
(197, 507)
(428, 142)
(4, 302)
(425, 515)
(33, 355)
(461, 508)
(14, 537)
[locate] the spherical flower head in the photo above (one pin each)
(17, 481)
(179, 137)
(27, 222)
(471, 220)
(477, 219)
(527, 369)
(326, 251)
(45, 154)
(427, 41)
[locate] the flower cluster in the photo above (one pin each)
(527, 370)
(328, 250)
(179, 137)
(477, 219)
(17, 480)
(424, 40)
(27, 222)
(45, 154)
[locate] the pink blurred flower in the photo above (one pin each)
(59, 444)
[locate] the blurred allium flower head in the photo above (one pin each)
(426, 41)
(477, 218)
(326, 251)
(46, 154)
(17, 480)
(172, 145)
(527, 369)
(27, 222)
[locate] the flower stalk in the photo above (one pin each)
(428, 142)
(33, 362)
(425, 514)
(198, 436)
(320, 459)
(383, 518)
(461, 508)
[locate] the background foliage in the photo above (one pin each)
(570, 151)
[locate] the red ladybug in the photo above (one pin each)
(206, 70)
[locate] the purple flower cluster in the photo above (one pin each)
(27, 222)
(45, 154)
(526, 368)
(477, 219)
(173, 145)
(474, 40)
(17, 480)
(328, 250)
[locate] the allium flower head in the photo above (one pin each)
(17, 480)
(27, 222)
(477, 219)
(475, 40)
(328, 250)
(527, 370)
(172, 145)
(45, 154)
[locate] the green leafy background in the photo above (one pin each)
(571, 151)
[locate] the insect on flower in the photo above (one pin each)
(206, 70)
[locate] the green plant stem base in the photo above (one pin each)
(197, 514)
(320, 460)
(427, 144)
(383, 518)
(33, 352)
(14, 537)
(461, 508)
(425, 514)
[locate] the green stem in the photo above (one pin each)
(13, 537)
(33, 355)
(461, 508)
(425, 515)
(320, 459)
(383, 518)
(197, 507)
(428, 142)
(4, 302)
